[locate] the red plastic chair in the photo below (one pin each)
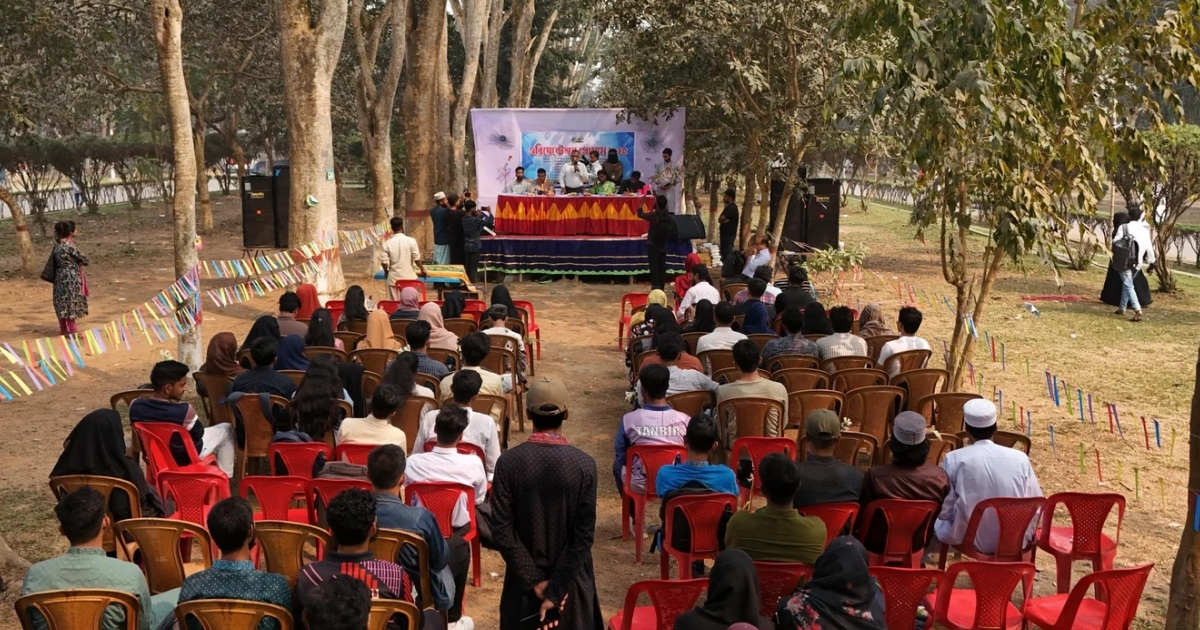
(155, 438)
(335, 308)
(388, 306)
(1122, 590)
(463, 448)
(668, 600)
(903, 519)
(777, 580)
(1015, 518)
(419, 285)
(836, 516)
(440, 498)
(757, 448)
(629, 301)
(297, 457)
(322, 491)
(474, 308)
(903, 590)
(987, 605)
(703, 514)
(533, 328)
(652, 458)
(275, 496)
(1084, 539)
(194, 493)
(354, 453)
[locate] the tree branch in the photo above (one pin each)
(121, 85)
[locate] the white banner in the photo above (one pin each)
(544, 138)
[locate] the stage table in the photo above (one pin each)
(576, 255)
(570, 215)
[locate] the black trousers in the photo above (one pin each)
(658, 266)
(460, 568)
(472, 264)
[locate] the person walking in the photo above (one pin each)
(1131, 245)
(70, 283)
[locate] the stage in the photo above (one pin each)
(575, 255)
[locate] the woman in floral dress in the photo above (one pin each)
(841, 594)
(70, 284)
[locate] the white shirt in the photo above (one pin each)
(493, 385)
(448, 465)
(760, 258)
(1140, 232)
(568, 178)
(370, 430)
(682, 381)
(421, 390)
(721, 338)
(978, 472)
(523, 187)
(399, 253)
(903, 344)
(516, 343)
(480, 431)
(773, 290)
(699, 291)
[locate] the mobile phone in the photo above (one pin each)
(533, 623)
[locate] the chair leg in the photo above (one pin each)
(942, 557)
(475, 562)
(639, 532)
(1063, 572)
(664, 564)
(624, 517)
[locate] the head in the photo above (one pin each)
(764, 273)
(910, 445)
(1135, 214)
(763, 243)
(780, 479)
(439, 197)
(724, 314)
(289, 302)
(263, 351)
(546, 403)
(1119, 219)
(909, 321)
(666, 154)
(756, 288)
(465, 387)
(356, 303)
(575, 155)
(397, 225)
(169, 379)
(231, 524)
(452, 200)
(417, 335)
(402, 373)
(339, 603)
(730, 195)
(64, 230)
(320, 329)
(541, 174)
(793, 320)
(669, 345)
(498, 313)
(635, 176)
(700, 274)
(470, 206)
(842, 319)
(980, 418)
(661, 204)
(386, 400)
(385, 467)
(316, 397)
(701, 437)
(871, 312)
(594, 155)
(351, 518)
(601, 177)
(613, 156)
(451, 421)
(822, 428)
(475, 348)
(747, 356)
(520, 172)
(81, 517)
(797, 275)
(654, 381)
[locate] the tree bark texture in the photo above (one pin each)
(714, 185)
(489, 95)
(423, 110)
(24, 243)
(471, 18)
(1183, 606)
(205, 217)
(376, 101)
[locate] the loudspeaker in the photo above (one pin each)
(824, 208)
(283, 185)
(793, 222)
(689, 227)
(258, 211)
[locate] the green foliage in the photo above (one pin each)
(833, 260)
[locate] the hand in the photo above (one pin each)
(540, 588)
(546, 606)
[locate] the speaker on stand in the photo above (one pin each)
(823, 211)
(258, 212)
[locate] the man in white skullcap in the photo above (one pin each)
(979, 472)
(908, 476)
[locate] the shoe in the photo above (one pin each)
(1119, 311)
(463, 623)
(1137, 316)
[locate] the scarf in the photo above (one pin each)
(379, 332)
(453, 305)
(816, 320)
(309, 301)
(291, 354)
(500, 295)
(683, 281)
(410, 299)
(755, 322)
(841, 594)
(733, 596)
(439, 336)
(96, 446)
(221, 356)
(657, 297)
(871, 322)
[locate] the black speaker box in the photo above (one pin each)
(824, 209)
(689, 226)
(258, 211)
(283, 185)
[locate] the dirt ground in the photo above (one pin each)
(1146, 369)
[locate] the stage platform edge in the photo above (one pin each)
(575, 255)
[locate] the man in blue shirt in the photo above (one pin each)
(441, 238)
(700, 439)
(231, 524)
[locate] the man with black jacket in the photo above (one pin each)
(662, 231)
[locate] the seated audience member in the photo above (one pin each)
(315, 408)
(379, 333)
(309, 300)
(670, 345)
(511, 340)
(263, 378)
(980, 471)
(444, 463)
(355, 308)
(376, 428)
(289, 303)
(870, 322)
(770, 292)
(705, 319)
(816, 320)
(502, 297)
(841, 343)
(169, 379)
(654, 423)
(752, 385)
(758, 256)
(475, 348)
(320, 331)
(439, 336)
(410, 304)
(799, 292)
(907, 476)
(733, 600)
(481, 429)
(702, 289)
(683, 359)
(449, 558)
(683, 281)
(757, 320)
(339, 603)
(826, 480)
(695, 472)
(840, 594)
(776, 532)
(793, 342)
(291, 354)
(96, 446)
(402, 371)
(82, 520)
(417, 334)
(221, 357)
(640, 323)
(908, 324)
(233, 576)
(756, 291)
(723, 335)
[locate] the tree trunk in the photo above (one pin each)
(1162, 271)
(747, 219)
(470, 27)
(1183, 606)
(763, 178)
(689, 199)
(533, 60)
(714, 184)
(489, 91)
(423, 173)
(167, 19)
(206, 217)
(310, 43)
(375, 102)
(522, 39)
(785, 200)
(24, 244)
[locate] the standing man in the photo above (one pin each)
(666, 180)
(729, 223)
(473, 225)
(662, 231)
(400, 252)
(454, 229)
(544, 519)
(520, 186)
(574, 176)
(441, 240)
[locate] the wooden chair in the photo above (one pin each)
(461, 326)
(801, 379)
(382, 611)
(788, 361)
(846, 380)
(1001, 438)
(281, 545)
(387, 545)
(920, 383)
(452, 359)
(295, 375)
(715, 360)
(836, 364)
(257, 428)
(349, 339)
(312, 352)
(693, 403)
(494, 406)
(76, 608)
(937, 451)
(370, 382)
(400, 326)
(408, 417)
(215, 387)
(908, 360)
(944, 412)
(750, 415)
(66, 484)
(374, 359)
(802, 403)
(159, 541)
(875, 344)
(231, 614)
(871, 409)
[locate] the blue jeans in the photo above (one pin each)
(441, 254)
(1128, 294)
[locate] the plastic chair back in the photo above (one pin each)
(690, 341)
(274, 495)
(359, 327)
(281, 546)
(452, 359)
(1122, 592)
(387, 546)
(162, 556)
(312, 352)
(777, 580)
(944, 412)
(231, 614)
(501, 360)
(729, 290)
(1012, 440)
(408, 417)
(1016, 519)
(838, 517)
(857, 449)
(692, 403)
(388, 306)
(668, 599)
(215, 386)
(76, 608)
(319, 492)
(872, 409)
(801, 379)
(908, 360)
(785, 361)
(463, 448)
(989, 606)
(194, 493)
(163, 433)
(855, 378)
(919, 384)
(851, 362)
(419, 285)
(461, 326)
(702, 513)
(714, 360)
(641, 358)
(440, 498)
(66, 484)
(756, 449)
(802, 403)
(875, 344)
(652, 457)
(496, 407)
(128, 396)
(296, 375)
(349, 339)
(383, 610)
(903, 519)
(761, 339)
(371, 382)
(903, 590)
(750, 415)
(374, 359)
(354, 453)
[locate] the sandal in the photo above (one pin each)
(1137, 317)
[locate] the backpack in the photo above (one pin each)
(1125, 255)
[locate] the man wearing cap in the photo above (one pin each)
(441, 238)
(777, 532)
(907, 476)
(544, 519)
(511, 339)
(824, 479)
(979, 472)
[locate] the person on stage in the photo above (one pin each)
(666, 180)
(662, 230)
(542, 185)
(574, 176)
(593, 164)
(521, 186)
(602, 185)
(613, 167)
(635, 185)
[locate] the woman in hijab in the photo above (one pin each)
(264, 326)
(704, 321)
(871, 322)
(683, 281)
(816, 320)
(733, 596)
(355, 309)
(410, 304)
(309, 301)
(453, 305)
(841, 593)
(657, 297)
(379, 332)
(96, 446)
(439, 337)
(756, 321)
(221, 357)
(613, 168)
(291, 354)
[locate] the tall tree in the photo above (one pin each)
(471, 18)
(527, 49)
(425, 115)
(375, 90)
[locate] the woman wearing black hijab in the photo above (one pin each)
(264, 326)
(705, 320)
(453, 305)
(840, 595)
(96, 446)
(816, 320)
(733, 596)
(500, 295)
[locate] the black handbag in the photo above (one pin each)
(50, 270)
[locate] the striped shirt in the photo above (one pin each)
(385, 580)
